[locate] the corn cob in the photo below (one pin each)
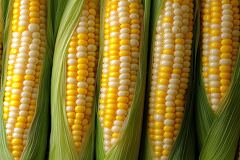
(81, 69)
(170, 74)
(76, 55)
(121, 77)
(220, 38)
(217, 109)
(24, 65)
(122, 28)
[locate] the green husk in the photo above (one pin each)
(127, 146)
(184, 146)
(4, 7)
(61, 142)
(57, 12)
(1, 29)
(218, 133)
(38, 134)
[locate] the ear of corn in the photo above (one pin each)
(121, 77)
(217, 103)
(169, 127)
(25, 80)
(73, 82)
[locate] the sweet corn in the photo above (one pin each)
(220, 43)
(24, 67)
(73, 88)
(170, 73)
(122, 27)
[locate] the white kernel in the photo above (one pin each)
(11, 120)
(80, 102)
(24, 107)
(125, 58)
(71, 80)
(26, 94)
(168, 122)
(225, 61)
(169, 104)
(115, 129)
(9, 126)
(27, 88)
(69, 108)
(33, 60)
(30, 71)
(107, 131)
(125, 82)
(33, 27)
(18, 71)
(124, 30)
(28, 83)
(81, 54)
(118, 123)
(23, 113)
(16, 135)
(124, 76)
(158, 117)
(13, 114)
(121, 112)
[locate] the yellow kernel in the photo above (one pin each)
(165, 152)
(82, 91)
(226, 49)
(21, 119)
(168, 135)
(17, 147)
(80, 109)
(17, 153)
(123, 99)
(213, 71)
(225, 82)
(226, 55)
(76, 127)
(70, 98)
(122, 106)
(115, 135)
(169, 115)
(107, 124)
(214, 90)
(120, 118)
(79, 116)
(225, 68)
(14, 103)
(225, 75)
(70, 121)
(179, 41)
(15, 96)
(71, 115)
(16, 141)
(226, 42)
